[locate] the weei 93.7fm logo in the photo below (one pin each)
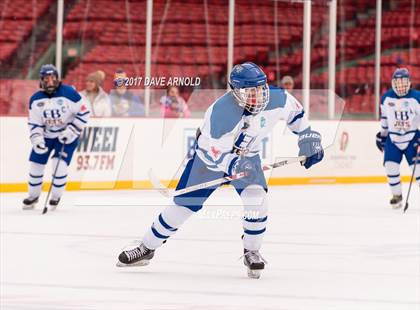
(97, 148)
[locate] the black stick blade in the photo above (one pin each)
(406, 207)
(44, 210)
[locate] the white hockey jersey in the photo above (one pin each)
(227, 125)
(50, 114)
(400, 117)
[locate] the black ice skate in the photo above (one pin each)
(53, 204)
(396, 201)
(29, 203)
(254, 262)
(139, 256)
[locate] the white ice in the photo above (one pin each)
(327, 247)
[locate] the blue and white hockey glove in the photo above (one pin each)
(242, 164)
(38, 144)
(310, 146)
(69, 134)
(380, 141)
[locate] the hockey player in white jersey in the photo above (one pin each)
(57, 116)
(229, 142)
(399, 135)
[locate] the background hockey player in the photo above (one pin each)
(399, 135)
(57, 116)
(229, 142)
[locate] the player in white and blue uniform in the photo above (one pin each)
(229, 142)
(400, 134)
(57, 116)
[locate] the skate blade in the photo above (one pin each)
(137, 264)
(52, 208)
(254, 274)
(28, 207)
(396, 206)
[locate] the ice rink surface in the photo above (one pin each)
(327, 247)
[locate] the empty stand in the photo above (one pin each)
(190, 39)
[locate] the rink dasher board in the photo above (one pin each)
(116, 153)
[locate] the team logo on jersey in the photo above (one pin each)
(402, 115)
(52, 114)
(215, 152)
(406, 104)
(262, 121)
(60, 101)
(391, 104)
(40, 104)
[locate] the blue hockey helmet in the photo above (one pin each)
(249, 87)
(401, 81)
(49, 70)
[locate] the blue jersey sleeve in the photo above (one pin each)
(225, 116)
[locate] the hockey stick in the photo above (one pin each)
(60, 156)
(164, 191)
(416, 159)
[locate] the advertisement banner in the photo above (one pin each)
(117, 153)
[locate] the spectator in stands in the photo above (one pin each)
(123, 102)
(287, 83)
(96, 98)
(172, 105)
